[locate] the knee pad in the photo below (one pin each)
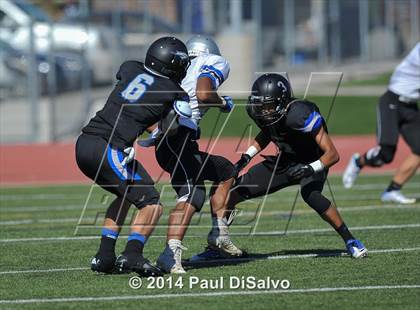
(316, 201)
(196, 198)
(117, 211)
(228, 171)
(151, 197)
(380, 155)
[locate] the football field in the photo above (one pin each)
(45, 265)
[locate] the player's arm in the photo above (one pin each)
(260, 142)
(152, 128)
(207, 96)
(330, 156)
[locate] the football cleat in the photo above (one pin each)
(171, 259)
(356, 248)
(352, 171)
(223, 244)
(207, 255)
(103, 263)
(137, 263)
(397, 197)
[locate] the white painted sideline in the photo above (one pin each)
(268, 233)
(210, 294)
(228, 260)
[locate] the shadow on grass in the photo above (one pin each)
(250, 257)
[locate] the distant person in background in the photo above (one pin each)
(397, 112)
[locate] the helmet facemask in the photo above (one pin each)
(181, 60)
(265, 110)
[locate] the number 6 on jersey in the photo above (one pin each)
(137, 87)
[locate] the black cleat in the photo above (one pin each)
(137, 263)
(104, 263)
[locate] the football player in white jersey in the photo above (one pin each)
(179, 155)
(397, 113)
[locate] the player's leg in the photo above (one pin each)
(387, 136)
(174, 154)
(410, 129)
(131, 184)
(260, 180)
(139, 190)
(89, 150)
(221, 171)
(115, 215)
(311, 191)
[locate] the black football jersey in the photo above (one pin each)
(294, 134)
(139, 100)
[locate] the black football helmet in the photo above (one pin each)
(271, 93)
(169, 57)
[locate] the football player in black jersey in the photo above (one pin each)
(306, 152)
(144, 94)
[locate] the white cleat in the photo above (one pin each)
(397, 197)
(170, 260)
(223, 244)
(352, 171)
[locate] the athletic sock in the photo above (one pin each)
(393, 186)
(220, 226)
(344, 232)
(108, 240)
(135, 244)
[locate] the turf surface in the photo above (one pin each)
(344, 112)
(48, 212)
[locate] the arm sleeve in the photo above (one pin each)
(304, 116)
(216, 68)
(262, 139)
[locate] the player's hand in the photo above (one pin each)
(227, 104)
(150, 141)
(241, 163)
(131, 153)
(299, 171)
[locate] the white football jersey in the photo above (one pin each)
(212, 66)
(405, 81)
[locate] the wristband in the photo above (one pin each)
(252, 151)
(317, 166)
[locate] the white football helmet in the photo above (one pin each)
(201, 44)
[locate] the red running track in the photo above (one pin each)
(35, 164)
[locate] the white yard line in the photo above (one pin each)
(227, 260)
(243, 213)
(43, 270)
(268, 233)
(318, 230)
(209, 294)
(14, 197)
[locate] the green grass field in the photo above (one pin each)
(309, 256)
(343, 114)
(379, 80)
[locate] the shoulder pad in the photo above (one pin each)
(304, 116)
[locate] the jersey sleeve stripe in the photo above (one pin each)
(218, 72)
(211, 76)
(313, 122)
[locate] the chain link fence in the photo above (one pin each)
(59, 58)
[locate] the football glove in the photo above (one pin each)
(299, 171)
(227, 104)
(131, 153)
(241, 163)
